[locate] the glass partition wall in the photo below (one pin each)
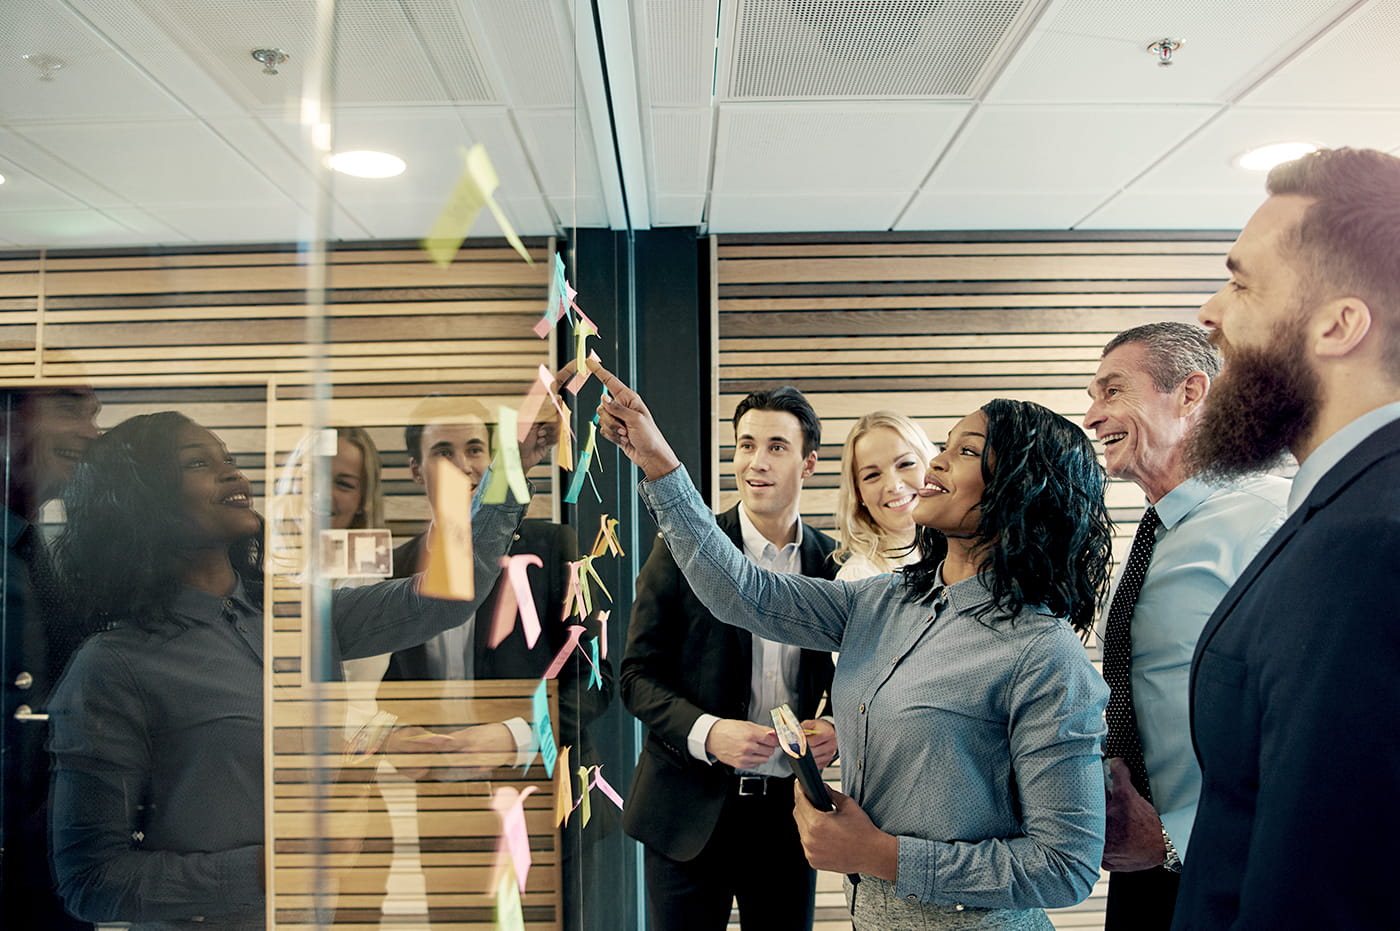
(288, 640)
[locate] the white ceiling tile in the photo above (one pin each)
(676, 51)
(1095, 51)
(145, 225)
(1176, 210)
(795, 213)
(166, 162)
(1353, 65)
(39, 163)
(1061, 149)
(23, 191)
(837, 147)
(560, 143)
(678, 147)
(1205, 162)
(678, 210)
(63, 228)
(584, 211)
(997, 210)
(235, 222)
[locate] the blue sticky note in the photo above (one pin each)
(544, 730)
(595, 681)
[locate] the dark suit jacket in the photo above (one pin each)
(1295, 697)
(680, 663)
(556, 545)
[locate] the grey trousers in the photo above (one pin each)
(878, 908)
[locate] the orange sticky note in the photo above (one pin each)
(448, 572)
(563, 789)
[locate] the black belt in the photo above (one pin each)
(748, 784)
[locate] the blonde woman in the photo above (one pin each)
(882, 469)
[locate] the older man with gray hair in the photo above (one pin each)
(1194, 541)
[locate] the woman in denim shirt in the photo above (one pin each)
(968, 716)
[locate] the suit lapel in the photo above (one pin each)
(1384, 442)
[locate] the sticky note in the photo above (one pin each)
(595, 679)
(474, 190)
(583, 794)
(507, 461)
(573, 593)
(606, 540)
(560, 296)
(603, 632)
(448, 572)
(560, 658)
(515, 600)
(563, 791)
(585, 458)
(604, 787)
(509, 915)
(544, 730)
(515, 839)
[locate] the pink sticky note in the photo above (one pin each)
(534, 400)
(562, 656)
(603, 632)
(516, 599)
(515, 839)
(604, 787)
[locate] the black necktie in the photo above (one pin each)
(1123, 740)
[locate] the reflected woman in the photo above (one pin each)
(882, 470)
(158, 723)
(968, 716)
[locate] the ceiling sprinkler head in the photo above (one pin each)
(269, 58)
(1163, 49)
(46, 65)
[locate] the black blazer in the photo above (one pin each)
(682, 662)
(556, 545)
(1295, 705)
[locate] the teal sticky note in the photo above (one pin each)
(595, 681)
(544, 730)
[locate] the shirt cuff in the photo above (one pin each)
(524, 740)
(699, 733)
(914, 878)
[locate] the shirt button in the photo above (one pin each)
(242, 629)
(959, 907)
(24, 680)
(860, 764)
(912, 897)
(862, 707)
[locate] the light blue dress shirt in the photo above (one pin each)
(1208, 536)
(975, 743)
(1334, 449)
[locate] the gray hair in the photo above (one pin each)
(1174, 351)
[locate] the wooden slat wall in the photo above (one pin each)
(221, 335)
(934, 326)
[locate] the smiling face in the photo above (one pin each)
(347, 484)
(1140, 427)
(768, 463)
(53, 429)
(464, 446)
(888, 474)
(953, 485)
(215, 497)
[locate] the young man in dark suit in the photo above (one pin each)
(712, 797)
(1294, 685)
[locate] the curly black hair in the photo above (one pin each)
(1043, 535)
(119, 557)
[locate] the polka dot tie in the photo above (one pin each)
(1123, 738)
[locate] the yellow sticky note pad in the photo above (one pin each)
(448, 571)
(472, 192)
(563, 788)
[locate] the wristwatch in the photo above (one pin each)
(1172, 863)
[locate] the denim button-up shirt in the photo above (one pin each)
(975, 742)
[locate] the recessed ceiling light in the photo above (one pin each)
(363, 164)
(1267, 156)
(2, 179)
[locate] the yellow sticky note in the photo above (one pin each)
(509, 914)
(448, 572)
(586, 811)
(563, 788)
(472, 192)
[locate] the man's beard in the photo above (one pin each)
(1264, 401)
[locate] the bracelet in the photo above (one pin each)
(1172, 863)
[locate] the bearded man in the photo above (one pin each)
(1295, 683)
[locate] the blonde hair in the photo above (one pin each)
(371, 513)
(857, 532)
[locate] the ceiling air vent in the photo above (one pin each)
(869, 48)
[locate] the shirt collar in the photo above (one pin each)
(756, 542)
(966, 595)
(1335, 448)
(1180, 501)
(199, 605)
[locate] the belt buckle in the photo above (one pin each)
(753, 785)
